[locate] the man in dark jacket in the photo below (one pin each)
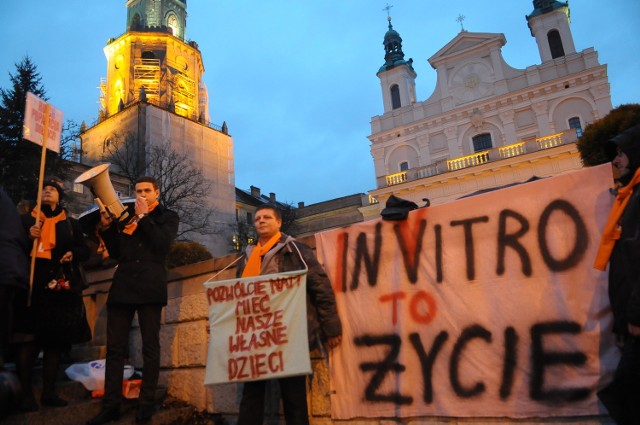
(275, 253)
(139, 285)
(620, 247)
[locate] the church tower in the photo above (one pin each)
(397, 76)
(549, 24)
(152, 62)
(154, 97)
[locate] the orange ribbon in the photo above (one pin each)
(47, 234)
(254, 264)
(612, 228)
(132, 225)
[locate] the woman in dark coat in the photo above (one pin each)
(54, 320)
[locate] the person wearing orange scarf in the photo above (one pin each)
(139, 286)
(276, 252)
(620, 249)
(54, 320)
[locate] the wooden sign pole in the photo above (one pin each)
(43, 157)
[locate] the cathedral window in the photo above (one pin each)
(482, 142)
(574, 122)
(404, 166)
(395, 96)
(135, 22)
(172, 22)
(555, 44)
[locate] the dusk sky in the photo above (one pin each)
(295, 80)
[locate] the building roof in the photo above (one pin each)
(545, 6)
(255, 199)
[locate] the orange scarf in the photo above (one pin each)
(254, 264)
(132, 225)
(612, 228)
(47, 234)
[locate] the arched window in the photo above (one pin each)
(482, 142)
(395, 96)
(574, 122)
(148, 55)
(135, 22)
(555, 44)
(106, 144)
(172, 22)
(404, 166)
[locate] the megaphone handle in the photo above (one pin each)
(101, 206)
(102, 209)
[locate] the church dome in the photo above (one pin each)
(394, 56)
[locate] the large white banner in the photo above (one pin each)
(486, 306)
(258, 328)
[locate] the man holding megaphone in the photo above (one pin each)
(140, 244)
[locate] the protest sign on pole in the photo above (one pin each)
(258, 328)
(42, 126)
(42, 121)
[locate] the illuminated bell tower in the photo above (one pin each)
(152, 62)
(154, 96)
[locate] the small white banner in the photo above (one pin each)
(258, 328)
(33, 128)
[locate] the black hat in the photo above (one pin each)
(397, 208)
(56, 183)
(629, 142)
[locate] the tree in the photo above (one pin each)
(69, 136)
(123, 151)
(19, 158)
(591, 144)
(183, 187)
(288, 214)
(244, 235)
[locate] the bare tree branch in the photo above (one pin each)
(183, 187)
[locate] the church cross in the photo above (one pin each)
(460, 19)
(387, 9)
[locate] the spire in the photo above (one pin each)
(541, 7)
(394, 56)
(157, 16)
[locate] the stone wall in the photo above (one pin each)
(184, 349)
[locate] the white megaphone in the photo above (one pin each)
(98, 181)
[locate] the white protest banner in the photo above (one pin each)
(488, 306)
(34, 121)
(258, 328)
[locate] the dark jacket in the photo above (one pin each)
(624, 266)
(322, 315)
(69, 237)
(14, 266)
(141, 277)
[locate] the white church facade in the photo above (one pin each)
(486, 124)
